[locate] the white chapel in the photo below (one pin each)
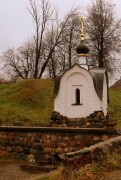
(79, 91)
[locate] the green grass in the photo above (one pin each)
(26, 103)
(115, 105)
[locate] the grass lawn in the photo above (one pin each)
(115, 105)
(26, 103)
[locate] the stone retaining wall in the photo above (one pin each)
(93, 153)
(45, 142)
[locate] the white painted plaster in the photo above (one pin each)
(78, 77)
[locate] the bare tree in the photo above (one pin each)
(71, 36)
(64, 54)
(41, 14)
(19, 63)
(55, 39)
(31, 60)
(10, 65)
(103, 29)
(48, 31)
(26, 56)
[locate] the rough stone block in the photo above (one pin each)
(53, 138)
(96, 138)
(79, 137)
(104, 137)
(19, 149)
(48, 143)
(66, 138)
(46, 150)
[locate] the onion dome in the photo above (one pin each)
(82, 48)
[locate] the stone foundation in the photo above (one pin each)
(94, 120)
(46, 142)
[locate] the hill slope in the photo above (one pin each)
(115, 102)
(117, 85)
(26, 103)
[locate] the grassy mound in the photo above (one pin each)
(116, 85)
(26, 103)
(115, 105)
(115, 102)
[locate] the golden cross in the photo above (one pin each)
(82, 28)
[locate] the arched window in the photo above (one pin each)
(77, 96)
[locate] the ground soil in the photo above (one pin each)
(10, 170)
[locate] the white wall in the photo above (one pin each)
(80, 78)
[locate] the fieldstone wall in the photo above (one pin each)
(45, 142)
(93, 153)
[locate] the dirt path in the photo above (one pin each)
(11, 171)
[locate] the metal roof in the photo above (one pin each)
(98, 79)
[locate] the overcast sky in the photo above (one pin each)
(16, 22)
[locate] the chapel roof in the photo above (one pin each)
(82, 48)
(98, 79)
(97, 75)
